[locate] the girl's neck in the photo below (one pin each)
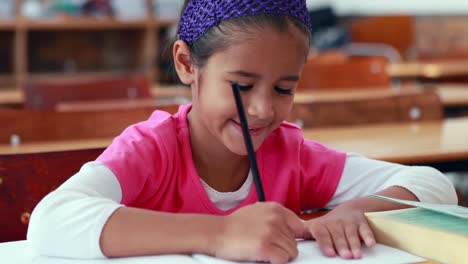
(221, 169)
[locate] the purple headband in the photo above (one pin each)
(201, 15)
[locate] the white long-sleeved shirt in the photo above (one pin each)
(68, 222)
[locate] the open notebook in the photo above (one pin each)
(309, 252)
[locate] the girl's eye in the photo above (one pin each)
(284, 91)
(243, 87)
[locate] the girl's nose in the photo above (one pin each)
(260, 106)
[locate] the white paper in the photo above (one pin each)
(21, 253)
(448, 209)
(309, 252)
(165, 259)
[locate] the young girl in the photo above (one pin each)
(182, 183)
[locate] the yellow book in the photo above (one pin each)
(436, 232)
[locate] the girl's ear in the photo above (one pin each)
(182, 63)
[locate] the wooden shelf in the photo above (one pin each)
(164, 22)
(7, 80)
(79, 75)
(84, 23)
(138, 38)
(7, 24)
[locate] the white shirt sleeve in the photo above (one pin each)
(68, 222)
(362, 176)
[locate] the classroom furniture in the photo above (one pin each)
(119, 104)
(428, 142)
(329, 71)
(381, 106)
(454, 97)
(394, 30)
(56, 146)
(11, 98)
(38, 126)
(25, 178)
(429, 70)
(408, 143)
(171, 91)
(161, 96)
(81, 45)
(44, 94)
(15, 98)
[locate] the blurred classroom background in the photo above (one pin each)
(388, 79)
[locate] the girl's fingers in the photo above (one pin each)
(339, 239)
(275, 254)
(285, 240)
(323, 238)
(351, 231)
(366, 234)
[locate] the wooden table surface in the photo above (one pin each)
(404, 143)
(11, 96)
(410, 143)
(53, 146)
(451, 94)
(432, 70)
(116, 104)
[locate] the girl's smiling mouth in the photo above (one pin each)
(253, 130)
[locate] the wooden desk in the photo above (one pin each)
(11, 97)
(451, 94)
(404, 143)
(15, 96)
(38, 126)
(55, 146)
(454, 97)
(350, 94)
(411, 143)
(119, 104)
(428, 70)
(160, 91)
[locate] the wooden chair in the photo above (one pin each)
(396, 31)
(34, 126)
(344, 72)
(26, 178)
(394, 107)
(43, 94)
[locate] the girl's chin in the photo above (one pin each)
(238, 147)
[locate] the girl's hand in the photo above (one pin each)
(340, 232)
(260, 232)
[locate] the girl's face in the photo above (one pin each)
(267, 66)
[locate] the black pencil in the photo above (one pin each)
(248, 143)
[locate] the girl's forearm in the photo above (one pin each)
(370, 204)
(136, 232)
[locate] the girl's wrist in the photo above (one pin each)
(213, 237)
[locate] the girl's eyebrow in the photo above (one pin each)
(291, 78)
(245, 74)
